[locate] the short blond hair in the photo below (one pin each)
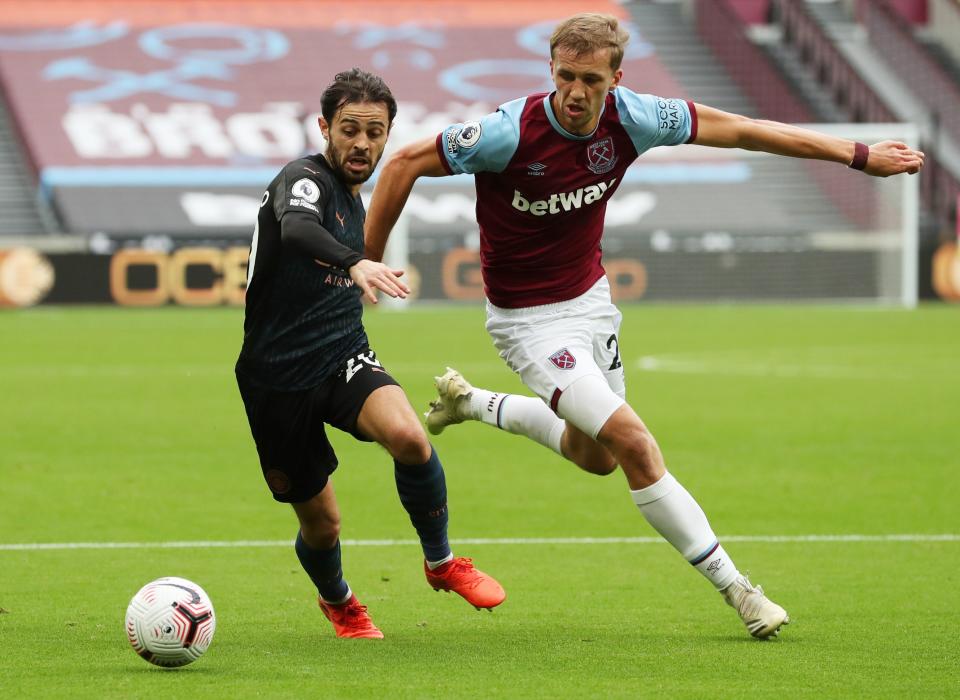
(588, 32)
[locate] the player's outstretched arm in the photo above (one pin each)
(393, 188)
(726, 130)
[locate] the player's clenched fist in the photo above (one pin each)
(893, 158)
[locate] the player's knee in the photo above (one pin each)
(321, 532)
(408, 444)
(639, 451)
(645, 447)
(329, 536)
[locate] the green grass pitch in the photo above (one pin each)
(125, 426)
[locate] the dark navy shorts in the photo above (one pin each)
(288, 427)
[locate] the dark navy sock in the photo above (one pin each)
(423, 492)
(323, 567)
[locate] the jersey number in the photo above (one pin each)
(612, 340)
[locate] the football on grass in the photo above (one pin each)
(170, 622)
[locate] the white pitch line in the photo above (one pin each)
(60, 370)
(215, 544)
(757, 369)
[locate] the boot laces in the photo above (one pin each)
(463, 569)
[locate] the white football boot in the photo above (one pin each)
(452, 404)
(761, 615)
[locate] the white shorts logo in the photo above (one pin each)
(306, 189)
(563, 359)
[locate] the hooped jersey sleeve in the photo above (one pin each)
(301, 188)
(655, 121)
(483, 146)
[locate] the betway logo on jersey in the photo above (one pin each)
(565, 201)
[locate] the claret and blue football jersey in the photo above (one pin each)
(542, 191)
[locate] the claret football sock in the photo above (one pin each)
(423, 492)
(672, 512)
(324, 569)
(520, 415)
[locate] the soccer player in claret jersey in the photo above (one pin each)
(306, 361)
(545, 166)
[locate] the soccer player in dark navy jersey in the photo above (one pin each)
(306, 361)
(545, 166)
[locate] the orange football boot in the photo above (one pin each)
(459, 575)
(350, 620)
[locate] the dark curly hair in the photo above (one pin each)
(354, 86)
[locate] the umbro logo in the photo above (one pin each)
(536, 169)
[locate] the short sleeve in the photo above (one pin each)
(301, 188)
(655, 121)
(483, 146)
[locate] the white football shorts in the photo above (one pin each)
(554, 346)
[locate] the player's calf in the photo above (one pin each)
(586, 453)
(423, 492)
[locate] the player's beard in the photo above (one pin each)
(339, 163)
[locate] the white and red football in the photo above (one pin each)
(170, 622)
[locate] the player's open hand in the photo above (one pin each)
(370, 275)
(893, 158)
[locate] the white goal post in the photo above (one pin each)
(896, 206)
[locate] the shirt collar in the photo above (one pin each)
(552, 118)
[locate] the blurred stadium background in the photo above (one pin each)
(137, 138)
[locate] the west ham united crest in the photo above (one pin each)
(600, 156)
(563, 359)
